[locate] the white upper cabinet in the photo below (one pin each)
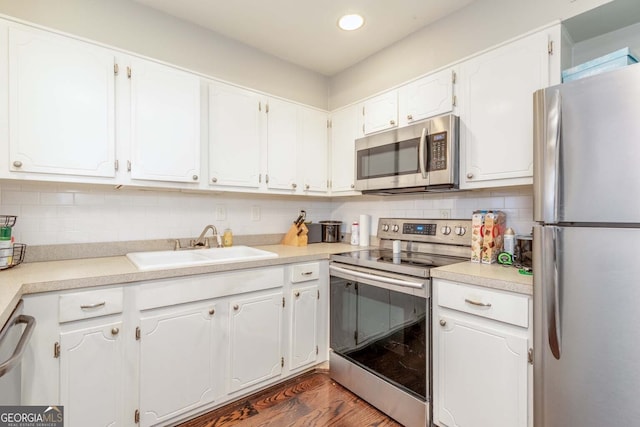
(344, 131)
(429, 96)
(380, 112)
(61, 105)
(165, 123)
(235, 117)
(282, 145)
(314, 148)
(496, 112)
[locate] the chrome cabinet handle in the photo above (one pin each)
(443, 322)
(478, 303)
(469, 175)
(91, 306)
(307, 273)
(115, 331)
(17, 164)
(15, 358)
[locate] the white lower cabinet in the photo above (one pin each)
(178, 359)
(255, 339)
(160, 352)
(480, 357)
(91, 375)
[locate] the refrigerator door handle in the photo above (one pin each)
(553, 292)
(547, 138)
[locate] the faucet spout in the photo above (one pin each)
(202, 241)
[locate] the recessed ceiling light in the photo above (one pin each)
(350, 22)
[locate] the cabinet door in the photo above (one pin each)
(381, 112)
(177, 361)
(61, 105)
(165, 123)
(304, 326)
(427, 97)
(481, 375)
(234, 136)
(255, 340)
(344, 131)
(496, 112)
(91, 376)
(312, 158)
(282, 145)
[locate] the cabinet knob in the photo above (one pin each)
(469, 175)
(194, 177)
(214, 179)
(443, 322)
(306, 186)
(294, 185)
(297, 294)
(236, 307)
(115, 331)
(353, 186)
(409, 117)
(392, 122)
(212, 311)
(17, 164)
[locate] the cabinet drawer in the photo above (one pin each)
(85, 305)
(508, 308)
(305, 272)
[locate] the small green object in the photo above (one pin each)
(505, 258)
(5, 233)
(526, 271)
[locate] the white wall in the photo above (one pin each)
(482, 24)
(130, 26)
(66, 213)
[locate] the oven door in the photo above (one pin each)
(381, 322)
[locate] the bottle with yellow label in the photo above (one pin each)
(227, 238)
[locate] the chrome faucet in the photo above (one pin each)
(202, 241)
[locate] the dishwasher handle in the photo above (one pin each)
(15, 358)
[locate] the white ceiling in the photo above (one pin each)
(305, 32)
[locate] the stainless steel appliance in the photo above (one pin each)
(380, 305)
(420, 157)
(586, 287)
(13, 342)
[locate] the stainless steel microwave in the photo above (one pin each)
(420, 157)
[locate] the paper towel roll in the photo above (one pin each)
(365, 229)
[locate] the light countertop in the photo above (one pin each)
(494, 276)
(36, 277)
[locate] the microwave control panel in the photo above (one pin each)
(438, 151)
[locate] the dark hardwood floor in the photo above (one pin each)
(309, 400)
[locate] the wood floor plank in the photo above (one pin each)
(309, 400)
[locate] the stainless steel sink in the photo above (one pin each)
(160, 260)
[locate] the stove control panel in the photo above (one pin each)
(451, 231)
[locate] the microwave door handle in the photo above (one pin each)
(421, 149)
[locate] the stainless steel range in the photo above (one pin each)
(380, 306)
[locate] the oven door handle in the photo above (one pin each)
(383, 279)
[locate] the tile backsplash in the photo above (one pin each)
(67, 213)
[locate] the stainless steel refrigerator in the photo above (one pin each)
(587, 252)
